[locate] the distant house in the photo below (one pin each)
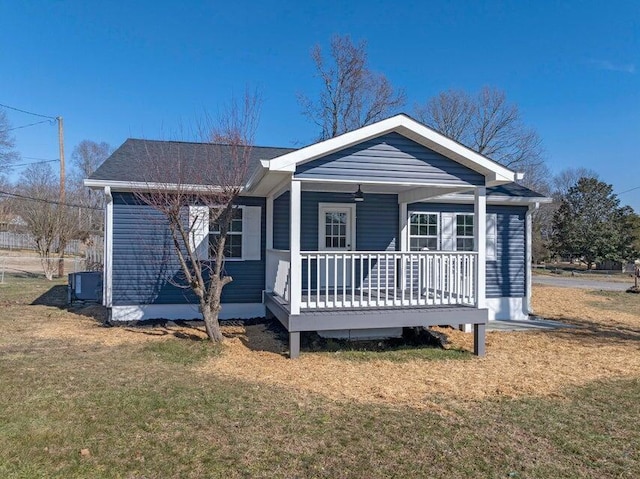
(616, 266)
(388, 226)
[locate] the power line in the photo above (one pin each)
(32, 163)
(39, 159)
(28, 112)
(30, 124)
(42, 200)
(632, 189)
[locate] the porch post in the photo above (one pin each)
(295, 274)
(404, 236)
(294, 344)
(480, 233)
(479, 334)
(270, 269)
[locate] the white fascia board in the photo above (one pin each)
(493, 199)
(416, 195)
(257, 174)
(146, 186)
(405, 126)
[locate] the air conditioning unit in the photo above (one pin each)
(85, 286)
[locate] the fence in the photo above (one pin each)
(24, 241)
(18, 255)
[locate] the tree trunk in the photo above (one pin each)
(211, 323)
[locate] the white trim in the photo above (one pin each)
(280, 188)
(404, 227)
(491, 199)
(269, 225)
(438, 235)
(294, 248)
(241, 234)
(507, 308)
(323, 206)
(455, 231)
(423, 193)
(143, 312)
(405, 126)
(142, 185)
(492, 252)
(480, 233)
(107, 286)
(426, 184)
(199, 231)
(529, 256)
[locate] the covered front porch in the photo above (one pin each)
(322, 275)
(357, 237)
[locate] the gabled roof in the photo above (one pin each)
(130, 162)
(495, 173)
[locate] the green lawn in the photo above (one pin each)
(142, 411)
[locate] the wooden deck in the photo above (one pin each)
(327, 319)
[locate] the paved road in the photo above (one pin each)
(582, 283)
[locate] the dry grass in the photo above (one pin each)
(160, 402)
(604, 345)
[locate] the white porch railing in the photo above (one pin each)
(278, 273)
(335, 280)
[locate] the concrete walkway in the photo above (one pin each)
(525, 325)
(582, 283)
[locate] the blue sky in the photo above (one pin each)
(143, 69)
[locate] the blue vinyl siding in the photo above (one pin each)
(376, 220)
(281, 212)
(145, 267)
(390, 158)
(506, 276)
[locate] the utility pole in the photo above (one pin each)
(61, 146)
(61, 244)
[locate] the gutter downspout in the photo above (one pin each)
(528, 308)
(107, 277)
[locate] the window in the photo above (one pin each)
(492, 236)
(464, 232)
(423, 231)
(233, 244)
(335, 229)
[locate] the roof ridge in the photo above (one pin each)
(210, 143)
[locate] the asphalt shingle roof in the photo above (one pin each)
(156, 161)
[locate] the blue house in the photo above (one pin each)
(389, 226)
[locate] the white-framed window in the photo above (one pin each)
(233, 243)
(447, 231)
(464, 232)
(244, 238)
(424, 229)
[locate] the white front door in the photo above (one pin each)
(336, 233)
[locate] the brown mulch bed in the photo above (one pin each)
(604, 345)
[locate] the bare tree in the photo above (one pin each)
(352, 95)
(211, 179)
(87, 156)
(7, 153)
(569, 178)
(489, 124)
(50, 223)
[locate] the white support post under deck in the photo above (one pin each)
(404, 233)
(294, 247)
(480, 233)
